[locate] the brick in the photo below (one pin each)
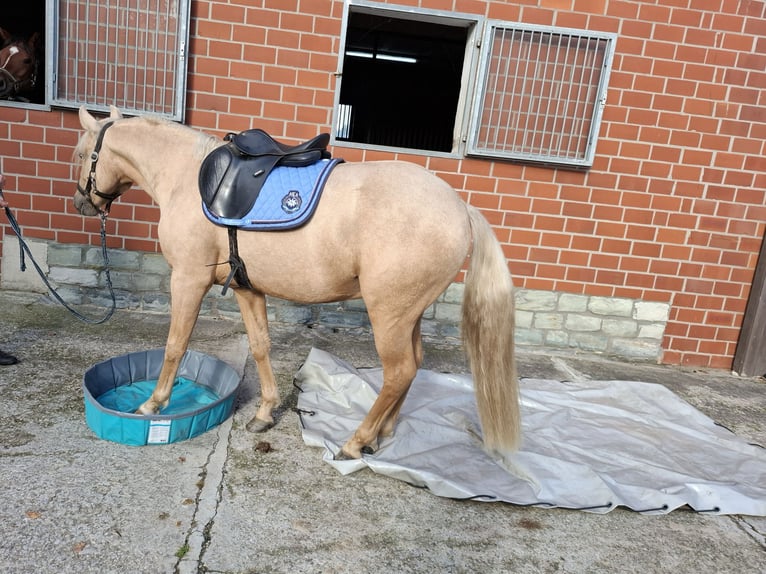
(524, 319)
(651, 331)
(637, 349)
(74, 276)
(548, 321)
(589, 342)
(650, 311)
(580, 322)
(533, 300)
(610, 306)
(528, 337)
(118, 259)
(624, 328)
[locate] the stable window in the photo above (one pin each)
(129, 53)
(425, 80)
(25, 22)
(541, 94)
(402, 78)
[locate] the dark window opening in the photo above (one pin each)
(22, 21)
(401, 82)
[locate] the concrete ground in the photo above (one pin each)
(221, 503)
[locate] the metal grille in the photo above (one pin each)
(541, 94)
(129, 53)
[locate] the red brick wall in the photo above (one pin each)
(673, 209)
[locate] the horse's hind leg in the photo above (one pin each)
(252, 305)
(398, 357)
(417, 346)
(186, 300)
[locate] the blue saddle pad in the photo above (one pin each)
(287, 199)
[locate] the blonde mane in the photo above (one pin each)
(204, 145)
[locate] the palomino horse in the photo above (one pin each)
(389, 232)
(18, 64)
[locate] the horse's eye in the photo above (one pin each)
(80, 155)
(27, 60)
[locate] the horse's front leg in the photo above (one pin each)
(252, 305)
(186, 300)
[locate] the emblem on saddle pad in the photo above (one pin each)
(292, 202)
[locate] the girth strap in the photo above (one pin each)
(238, 270)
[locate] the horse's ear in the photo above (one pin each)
(34, 41)
(114, 113)
(87, 121)
(4, 36)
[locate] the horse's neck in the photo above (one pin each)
(152, 154)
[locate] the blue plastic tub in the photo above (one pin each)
(203, 397)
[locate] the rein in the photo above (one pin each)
(24, 248)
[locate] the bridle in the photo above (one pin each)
(90, 185)
(14, 83)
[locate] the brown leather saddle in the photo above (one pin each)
(231, 176)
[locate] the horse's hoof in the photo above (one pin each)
(342, 455)
(144, 410)
(258, 425)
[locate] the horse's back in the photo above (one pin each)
(401, 220)
(396, 194)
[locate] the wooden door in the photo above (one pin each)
(750, 357)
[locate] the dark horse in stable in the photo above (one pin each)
(389, 232)
(18, 65)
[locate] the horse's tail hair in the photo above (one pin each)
(487, 328)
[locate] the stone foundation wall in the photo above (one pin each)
(626, 328)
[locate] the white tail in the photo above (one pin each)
(488, 325)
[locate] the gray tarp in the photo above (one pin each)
(590, 446)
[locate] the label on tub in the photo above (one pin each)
(159, 432)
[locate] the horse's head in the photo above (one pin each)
(18, 64)
(94, 198)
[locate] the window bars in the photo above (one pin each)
(129, 53)
(541, 93)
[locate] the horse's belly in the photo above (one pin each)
(296, 267)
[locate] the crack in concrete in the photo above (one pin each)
(210, 492)
(750, 529)
(208, 499)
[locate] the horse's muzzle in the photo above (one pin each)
(84, 206)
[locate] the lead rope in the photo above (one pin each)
(23, 247)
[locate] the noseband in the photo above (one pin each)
(90, 186)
